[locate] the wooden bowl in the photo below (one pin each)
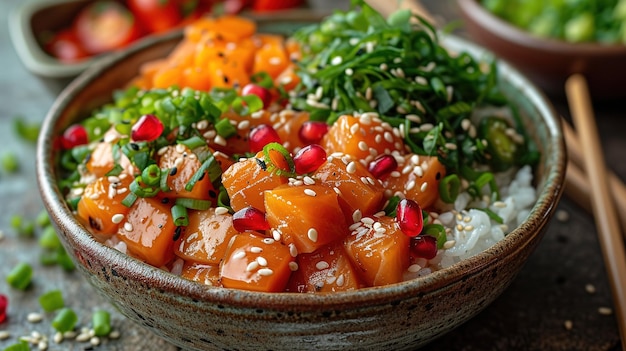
(548, 62)
(199, 317)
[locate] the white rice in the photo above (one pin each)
(517, 199)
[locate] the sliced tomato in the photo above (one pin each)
(66, 47)
(156, 16)
(105, 25)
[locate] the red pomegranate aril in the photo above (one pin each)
(409, 217)
(312, 132)
(249, 218)
(259, 91)
(74, 136)
(309, 159)
(261, 136)
(424, 246)
(4, 303)
(382, 166)
(147, 128)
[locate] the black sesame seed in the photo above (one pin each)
(261, 164)
(177, 233)
(134, 146)
(173, 171)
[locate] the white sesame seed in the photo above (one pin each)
(383, 67)
(4, 334)
(337, 60)
(293, 250)
(293, 266)
(414, 268)
(275, 61)
(568, 324)
(115, 334)
(451, 146)
(349, 71)
(252, 266)
(590, 288)
(340, 280)
(605, 311)
(310, 192)
(70, 334)
(367, 221)
(363, 146)
(354, 128)
(34, 317)
(221, 211)
(410, 185)
(243, 124)
(357, 215)
(276, 235)
(499, 204)
(94, 340)
(562, 215)
(351, 167)
(449, 244)
(219, 140)
(82, 337)
(355, 226)
(265, 272)
(262, 261)
(255, 249)
(239, 255)
(424, 187)
(312, 234)
(117, 218)
(128, 227)
(308, 180)
(322, 265)
(337, 191)
(268, 241)
(42, 345)
(58, 337)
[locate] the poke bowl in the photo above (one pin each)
(402, 314)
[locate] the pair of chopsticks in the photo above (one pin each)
(587, 154)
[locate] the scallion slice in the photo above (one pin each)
(194, 204)
(20, 276)
(51, 300)
(65, 320)
(179, 214)
(449, 188)
(278, 160)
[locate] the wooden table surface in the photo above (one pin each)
(530, 315)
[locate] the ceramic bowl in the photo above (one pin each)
(548, 62)
(198, 317)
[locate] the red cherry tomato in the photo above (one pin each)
(156, 16)
(273, 5)
(66, 47)
(105, 25)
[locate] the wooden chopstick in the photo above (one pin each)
(577, 185)
(611, 241)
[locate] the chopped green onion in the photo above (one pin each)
(21, 345)
(140, 191)
(49, 239)
(179, 214)
(27, 131)
(492, 215)
(64, 260)
(130, 199)
(65, 320)
(20, 276)
(10, 162)
(392, 205)
(165, 172)
(224, 128)
(211, 166)
(284, 153)
(449, 188)
(438, 232)
(194, 142)
(151, 175)
(223, 200)
(194, 204)
(43, 219)
(115, 171)
(51, 300)
(101, 321)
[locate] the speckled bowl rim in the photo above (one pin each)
(159, 279)
(505, 30)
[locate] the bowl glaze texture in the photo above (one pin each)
(197, 317)
(548, 62)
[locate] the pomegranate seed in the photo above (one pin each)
(409, 217)
(74, 136)
(309, 158)
(424, 246)
(249, 218)
(382, 166)
(4, 302)
(312, 132)
(147, 128)
(262, 93)
(261, 136)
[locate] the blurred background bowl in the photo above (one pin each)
(548, 62)
(198, 317)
